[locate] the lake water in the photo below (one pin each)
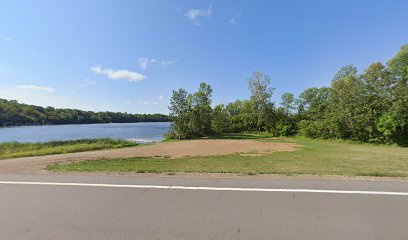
(139, 132)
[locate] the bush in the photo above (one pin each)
(171, 135)
(315, 129)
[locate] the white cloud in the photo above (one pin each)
(193, 14)
(36, 88)
(119, 74)
(161, 97)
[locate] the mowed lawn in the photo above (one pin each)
(314, 157)
(15, 149)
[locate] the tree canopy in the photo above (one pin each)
(367, 107)
(13, 113)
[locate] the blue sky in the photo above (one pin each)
(129, 55)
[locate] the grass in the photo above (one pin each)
(15, 149)
(314, 157)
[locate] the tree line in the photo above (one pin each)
(13, 113)
(367, 107)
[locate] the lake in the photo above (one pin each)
(139, 132)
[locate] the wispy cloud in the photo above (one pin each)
(119, 74)
(146, 102)
(88, 82)
(168, 62)
(234, 19)
(194, 14)
(140, 102)
(8, 39)
(36, 88)
(144, 63)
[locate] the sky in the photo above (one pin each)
(128, 56)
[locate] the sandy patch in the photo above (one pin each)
(169, 150)
(214, 148)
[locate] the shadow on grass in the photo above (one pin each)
(241, 136)
(260, 136)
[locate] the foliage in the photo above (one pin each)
(220, 119)
(13, 113)
(180, 110)
(367, 107)
(261, 94)
(201, 109)
(191, 113)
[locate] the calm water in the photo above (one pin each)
(141, 132)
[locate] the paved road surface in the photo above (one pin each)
(74, 211)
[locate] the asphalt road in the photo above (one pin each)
(129, 207)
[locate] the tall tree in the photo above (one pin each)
(284, 117)
(377, 98)
(287, 102)
(313, 113)
(399, 110)
(345, 72)
(346, 108)
(202, 109)
(368, 107)
(261, 94)
(180, 109)
(220, 119)
(234, 110)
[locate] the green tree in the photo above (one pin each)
(377, 98)
(345, 72)
(398, 66)
(180, 112)
(220, 119)
(287, 102)
(235, 113)
(261, 94)
(313, 113)
(202, 110)
(347, 111)
(284, 117)
(13, 113)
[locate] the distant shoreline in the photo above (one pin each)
(62, 124)
(19, 114)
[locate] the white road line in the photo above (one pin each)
(289, 190)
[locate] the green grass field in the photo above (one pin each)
(314, 157)
(15, 150)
